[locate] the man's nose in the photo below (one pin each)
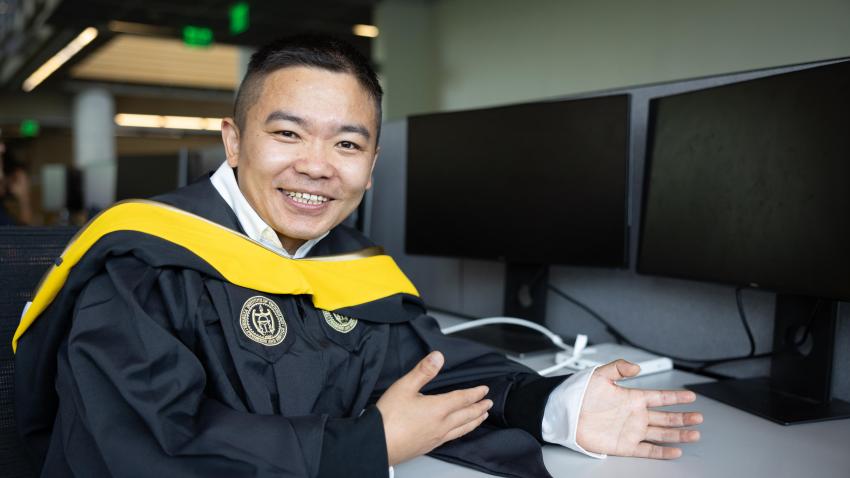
(315, 162)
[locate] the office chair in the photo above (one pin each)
(25, 255)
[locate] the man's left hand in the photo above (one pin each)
(616, 420)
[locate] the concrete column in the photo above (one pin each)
(93, 127)
(244, 58)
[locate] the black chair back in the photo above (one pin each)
(26, 253)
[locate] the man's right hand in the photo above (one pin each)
(415, 424)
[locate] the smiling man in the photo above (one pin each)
(243, 331)
(305, 142)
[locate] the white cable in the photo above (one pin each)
(556, 367)
(575, 352)
(512, 321)
(572, 362)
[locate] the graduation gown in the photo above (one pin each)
(148, 362)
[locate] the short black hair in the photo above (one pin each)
(311, 50)
(10, 163)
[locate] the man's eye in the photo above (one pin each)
(348, 145)
(287, 134)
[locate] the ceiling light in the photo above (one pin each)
(170, 122)
(138, 121)
(370, 31)
(133, 28)
(184, 122)
(59, 59)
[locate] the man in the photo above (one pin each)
(14, 191)
(176, 357)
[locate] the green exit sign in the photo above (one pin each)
(238, 18)
(197, 36)
(29, 128)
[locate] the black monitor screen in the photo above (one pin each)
(533, 183)
(749, 183)
(147, 175)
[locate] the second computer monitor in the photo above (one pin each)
(748, 184)
(542, 183)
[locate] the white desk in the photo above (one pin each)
(733, 444)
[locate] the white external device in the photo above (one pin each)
(604, 353)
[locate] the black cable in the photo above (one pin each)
(620, 338)
(699, 370)
(743, 316)
(617, 334)
(797, 342)
(712, 363)
(704, 364)
(739, 300)
(808, 329)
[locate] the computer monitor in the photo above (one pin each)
(747, 184)
(144, 176)
(529, 184)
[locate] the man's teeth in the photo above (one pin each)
(305, 198)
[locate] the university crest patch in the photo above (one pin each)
(262, 321)
(339, 322)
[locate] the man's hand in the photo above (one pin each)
(617, 421)
(415, 424)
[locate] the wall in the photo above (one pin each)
(496, 52)
(404, 56)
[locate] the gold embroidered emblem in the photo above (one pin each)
(262, 321)
(339, 322)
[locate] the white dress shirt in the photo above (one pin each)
(560, 417)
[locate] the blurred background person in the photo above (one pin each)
(15, 197)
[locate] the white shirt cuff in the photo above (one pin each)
(560, 417)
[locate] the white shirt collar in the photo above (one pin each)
(224, 181)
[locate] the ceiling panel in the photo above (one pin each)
(161, 61)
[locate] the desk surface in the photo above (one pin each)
(733, 443)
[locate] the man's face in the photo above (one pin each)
(306, 152)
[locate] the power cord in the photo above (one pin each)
(704, 363)
(575, 351)
(511, 321)
(581, 340)
(797, 342)
(743, 315)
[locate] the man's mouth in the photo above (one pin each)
(306, 198)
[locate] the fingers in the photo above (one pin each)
(674, 419)
(618, 370)
(464, 396)
(423, 372)
(468, 413)
(671, 435)
(648, 450)
(661, 398)
(465, 428)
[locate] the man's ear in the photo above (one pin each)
(230, 138)
(372, 170)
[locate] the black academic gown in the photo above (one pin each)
(140, 368)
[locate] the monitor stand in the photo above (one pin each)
(524, 298)
(798, 389)
(525, 291)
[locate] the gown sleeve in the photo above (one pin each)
(134, 398)
(508, 443)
